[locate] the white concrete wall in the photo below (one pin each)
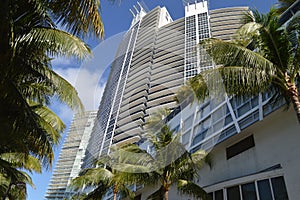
(277, 141)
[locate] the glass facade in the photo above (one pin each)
(196, 59)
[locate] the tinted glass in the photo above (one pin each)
(219, 195)
(264, 190)
(279, 188)
(249, 192)
(240, 147)
(210, 196)
(233, 193)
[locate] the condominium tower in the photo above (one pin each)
(156, 56)
(71, 156)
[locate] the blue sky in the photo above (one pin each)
(88, 76)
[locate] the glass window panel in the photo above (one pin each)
(243, 109)
(264, 189)
(218, 126)
(210, 196)
(219, 195)
(218, 114)
(188, 123)
(279, 188)
(249, 192)
(186, 137)
(228, 119)
(206, 123)
(233, 193)
(254, 101)
(206, 110)
(176, 129)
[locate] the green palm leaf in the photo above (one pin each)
(49, 116)
(230, 54)
(92, 177)
(192, 189)
(66, 92)
(55, 42)
(78, 16)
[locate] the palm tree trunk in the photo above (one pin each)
(115, 191)
(166, 194)
(295, 99)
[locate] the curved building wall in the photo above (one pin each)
(167, 68)
(132, 109)
(225, 22)
(99, 136)
(155, 57)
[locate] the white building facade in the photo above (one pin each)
(71, 156)
(156, 56)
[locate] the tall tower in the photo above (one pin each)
(71, 156)
(156, 56)
(135, 87)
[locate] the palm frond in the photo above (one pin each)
(245, 81)
(129, 154)
(199, 87)
(78, 16)
(97, 193)
(49, 116)
(192, 189)
(24, 133)
(92, 177)
(138, 175)
(55, 42)
(155, 121)
(22, 160)
(66, 92)
(183, 93)
(230, 54)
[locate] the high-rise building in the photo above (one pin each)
(71, 156)
(156, 56)
(253, 142)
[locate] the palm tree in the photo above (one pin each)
(29, 39)
(116, 172)
(12, 179)
(169, 165)
(174, 165)
(273, 65)
(103, 179)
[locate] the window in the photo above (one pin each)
(187, 124)
(248, 191)
(219, 195)
(279, 188)
(264, 189)
(233, 193)
(240, 147)
(186, 138)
